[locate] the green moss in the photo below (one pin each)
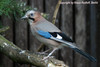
(13, 7)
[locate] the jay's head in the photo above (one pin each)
(32, 16)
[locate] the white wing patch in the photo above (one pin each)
(58, 36)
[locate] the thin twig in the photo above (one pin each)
(56, 11)
(40, 47)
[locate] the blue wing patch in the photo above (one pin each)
(44, 34)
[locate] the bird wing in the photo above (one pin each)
(61, 37)
(57, 36)
(47, 26)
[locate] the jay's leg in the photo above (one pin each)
(50, 53)
(45, 52)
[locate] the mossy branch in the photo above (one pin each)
(4, 29)
(26, 57)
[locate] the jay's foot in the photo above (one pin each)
(45, 52)
(50, 54)
(47, 57)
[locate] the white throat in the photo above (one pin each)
(30, 21)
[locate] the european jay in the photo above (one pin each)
(50, 35)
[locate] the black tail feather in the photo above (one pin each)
(72, 45)
(85, 54)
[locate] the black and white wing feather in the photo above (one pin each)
(61, 36)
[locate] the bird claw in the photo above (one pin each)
(51, 56)
(47, 57)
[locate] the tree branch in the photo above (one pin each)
(26, 57)
(56, 11)
(4, 29)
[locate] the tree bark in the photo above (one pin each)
(26, 57)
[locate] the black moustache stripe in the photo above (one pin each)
(31, 18)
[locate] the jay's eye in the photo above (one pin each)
(31, 14)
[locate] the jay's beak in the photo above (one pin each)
(24, 17)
